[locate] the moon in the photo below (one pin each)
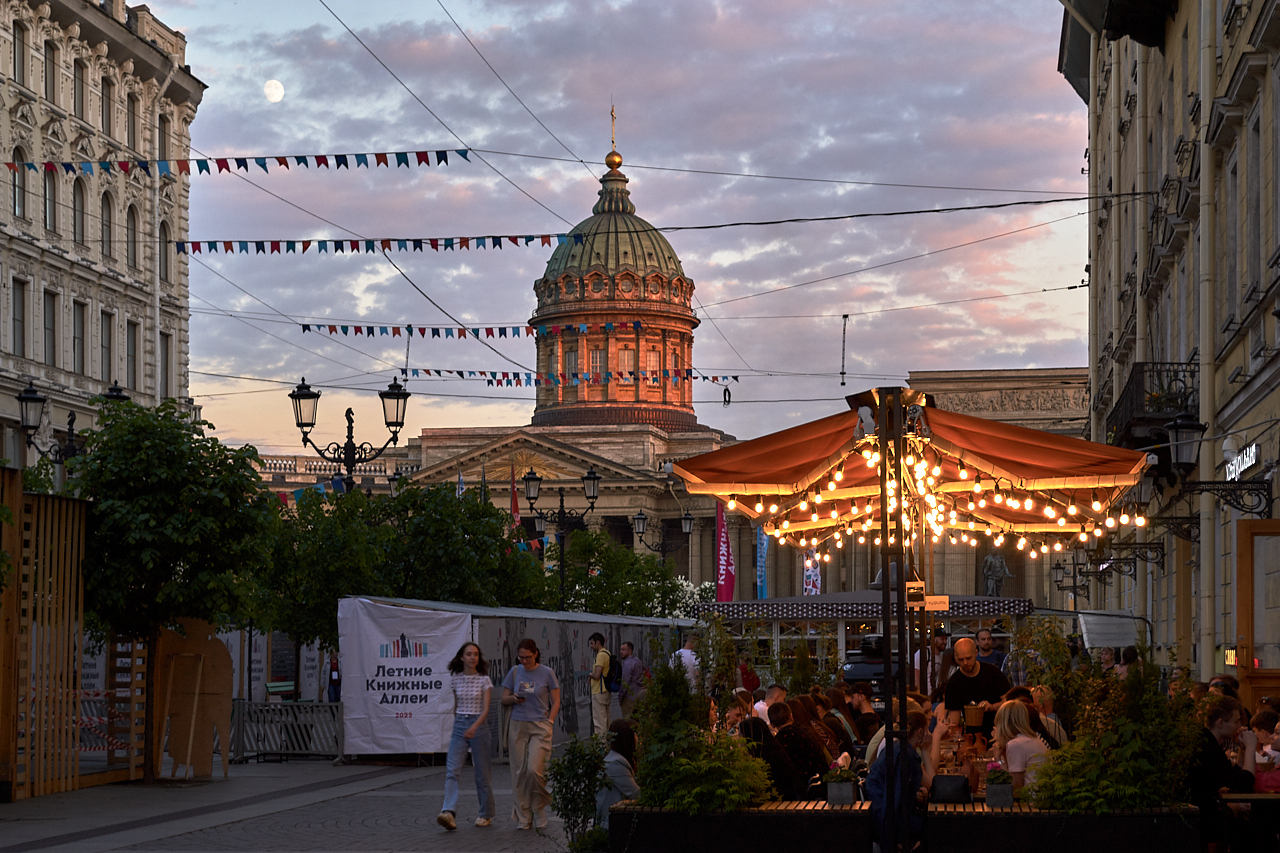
(274, 90)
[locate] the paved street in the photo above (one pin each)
(301, 806)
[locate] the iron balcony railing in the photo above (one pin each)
(1154, 395)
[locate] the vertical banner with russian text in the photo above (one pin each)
(396, 691)
(762, 548)
(724, 558)
(812, 573)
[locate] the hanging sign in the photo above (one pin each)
(1244, 460)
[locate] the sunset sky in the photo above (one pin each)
(962, 97)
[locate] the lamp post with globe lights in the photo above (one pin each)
(306, 400)
(560, 518)
(640, 523)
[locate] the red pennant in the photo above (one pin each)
(275, 247)
(355, 245)
(333, 330)
(395, 331)
(124, 165)
(359, 330)
(386, 245)
(462, 333)
(13, 167)
(464, 242)
(195, 247)
(488, 333)
(223, 166)
(546, 239)
(229, 247)
(422, 331)
(515, 241)
(306, 244)
(424, 157)
(322, 160)
(381, 160)
(50, 167)
(283, 161)
(184, 167)
(435, 244)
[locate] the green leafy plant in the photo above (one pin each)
(1132, 746)
(683, 765)
(802, 671)
(839, 774)
(575, 777)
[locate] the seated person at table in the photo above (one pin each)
(1210, 770)
(620, 767)
(1020, 747)
(1048, 730)
(804, 715)
(865, 718)
(841, 715)
(974, 683)
(782, 772)
(834, 724)
(805, 752)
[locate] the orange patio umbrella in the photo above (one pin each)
(959, 476)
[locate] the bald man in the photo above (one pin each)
(974, 683)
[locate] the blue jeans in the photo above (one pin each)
(480, 756)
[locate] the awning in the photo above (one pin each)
(823, 476)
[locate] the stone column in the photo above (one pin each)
(695, 551)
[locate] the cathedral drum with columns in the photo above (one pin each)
(616, 268)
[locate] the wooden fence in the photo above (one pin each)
(42, 645)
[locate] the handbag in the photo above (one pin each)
(950, 789)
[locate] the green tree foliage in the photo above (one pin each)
(177, 525)
(602, 576)
(575, 778)
(1132, 744)
(176, 529)
(436, 546)
(323, 548)
(683, 765)
(802, 672)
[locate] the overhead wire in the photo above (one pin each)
(432, 113)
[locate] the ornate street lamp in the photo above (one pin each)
(306, 401)
(532, 488)
(1185, 433)
(640, 523)
(31, 405)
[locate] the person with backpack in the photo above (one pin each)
(604, 680)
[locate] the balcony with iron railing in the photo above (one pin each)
(1154, 395)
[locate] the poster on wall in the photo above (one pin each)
(395, 683)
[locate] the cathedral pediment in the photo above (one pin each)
(554, 461)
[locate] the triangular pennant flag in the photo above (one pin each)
(381, 159)
(424, 158)
(262, 162)
(442, 157)
(242, 163)
(202, 167)
(283, 162)
(340, 161)
(222, 165)
(322, 160)
(362, 160)
(402, 159)
(462, 152)
(301, 161)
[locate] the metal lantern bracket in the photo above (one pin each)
(1151, 552)
(1247, 496)
(348, 454)
(640, 523)
(1183, 526)
(561, 517)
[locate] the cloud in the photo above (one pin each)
(943, 95)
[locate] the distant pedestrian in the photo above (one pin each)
(534, 692)
(471, 691)
(600, 695)
(335, 678)
(688, 658)
(633, 680)
(987, 652)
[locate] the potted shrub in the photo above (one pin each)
(840, 781)
(999, 787)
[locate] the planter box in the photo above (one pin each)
(1000, 796)
(948, 829)
(840, 793)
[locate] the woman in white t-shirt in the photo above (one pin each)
(1021, 748)
(471, 691)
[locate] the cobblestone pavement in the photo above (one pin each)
(302, 807)
(398, 817)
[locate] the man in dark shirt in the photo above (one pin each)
(987, 651)
(974, 683)
(1211, 772)
(803, 750)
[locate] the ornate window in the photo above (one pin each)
(105, 223)
(131, 236)
(77, 212)
(20, 185)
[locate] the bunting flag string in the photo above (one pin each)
(463, 332)
(376, 245)
(534, 544)
(250, 163)
(519, 379)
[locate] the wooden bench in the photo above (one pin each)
(949, 828)
(281, 689)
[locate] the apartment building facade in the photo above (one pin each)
(1184, 276)
(91, 289)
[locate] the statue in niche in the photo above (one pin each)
(994, 571)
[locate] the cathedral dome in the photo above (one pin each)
(618, 307)
(614, 238)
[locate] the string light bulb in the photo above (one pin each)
(817, 497)
(1124, 516)
(773, 507)
(1097, 504)
(786, 522)
(804, 504)
(840, 473)
(964, 472)
(862, 540)
(977, 484)
(1140, 520)
(1110, 522)
(733, 501)
(1072, 509)
(759, 505)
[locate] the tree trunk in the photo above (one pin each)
(297, 670)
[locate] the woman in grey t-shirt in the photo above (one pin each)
(533, 693)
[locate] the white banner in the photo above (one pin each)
(396, 690)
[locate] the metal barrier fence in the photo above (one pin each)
(260, 729)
